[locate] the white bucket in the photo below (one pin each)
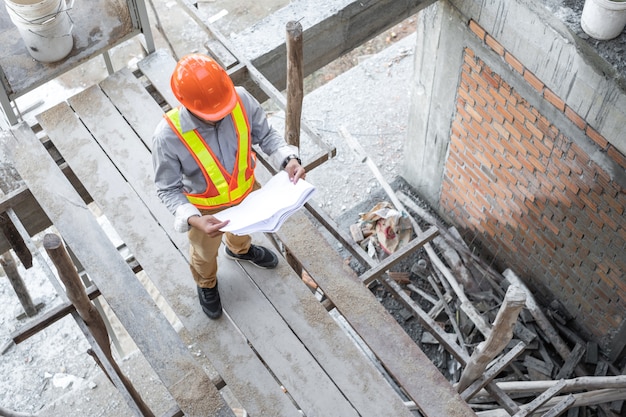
(45, 27)
(603, 19)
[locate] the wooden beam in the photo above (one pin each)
(49, 317)
(398, 256)
(500, 336)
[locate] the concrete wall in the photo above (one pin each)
(516, 138)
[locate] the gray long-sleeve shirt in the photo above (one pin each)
(176, 171)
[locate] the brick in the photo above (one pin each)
(608, 221)
(477, 96)
(470, 160)
(575, 118)
(581, 156)
(493, 143)
(569, 184)
(550, 225)
(528, 113)
(497, 96)
(562, 165)
(596, 137)
(472, 62)
(488, 227)
(468, 81)
(576, 233)
(494, 44)
(574, 199)
(515, 133)
(530, 197)
(553, 99)
(615, 206)
(458, 130)
(517, 115)
(530, 147)
(513, 62)
(507, 177)
(533, 81)
(475, 116)
(462, 112)
(617, 156)
(511, 98)
(466, 96)
(505, 114)
(596, 222)
(510, 158)
(487, 95)
(502, 132)
(492, 78)
(581, 183)
(477, 29)
(478, 129)
(519, 125)
(495, 161)
(487, 118)
(544, 146)
(534, 130)
(536, 162)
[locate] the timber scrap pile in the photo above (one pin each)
(513, 356)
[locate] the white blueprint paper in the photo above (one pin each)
(266, 209)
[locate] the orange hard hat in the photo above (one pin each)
(203, 87)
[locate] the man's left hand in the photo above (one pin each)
(295, 170)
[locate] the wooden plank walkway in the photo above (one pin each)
(276, 348)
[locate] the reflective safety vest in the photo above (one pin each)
(223, 189)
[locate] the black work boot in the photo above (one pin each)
(210, 302)
(257, 255)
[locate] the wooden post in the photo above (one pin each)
(8, 264)
(499, 337)
(78, 296)
(15, 240)
(295, 90)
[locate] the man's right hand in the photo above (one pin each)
(208, 224)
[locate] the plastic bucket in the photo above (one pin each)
(45, 27)
(603, 19)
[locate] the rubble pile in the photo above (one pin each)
(505, 354)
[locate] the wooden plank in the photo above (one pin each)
(398, 353)
(91, 105)
(120, 142)
(229, 353)
(298, 371)
(353, 373)
(134, 102)
(396, 257)
(158, 68)
(528, 409)
(182, 376)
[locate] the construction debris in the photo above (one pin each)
(527, 362)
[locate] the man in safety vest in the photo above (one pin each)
(204, 162)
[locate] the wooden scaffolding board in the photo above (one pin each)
(276, 347)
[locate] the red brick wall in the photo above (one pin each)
(533, 197)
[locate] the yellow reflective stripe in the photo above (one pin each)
(241, 125)
(202, 153)
(210, 166)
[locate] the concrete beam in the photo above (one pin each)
(331, 29)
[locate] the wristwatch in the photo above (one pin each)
(289, 158)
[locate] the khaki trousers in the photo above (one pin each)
(204, 249)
